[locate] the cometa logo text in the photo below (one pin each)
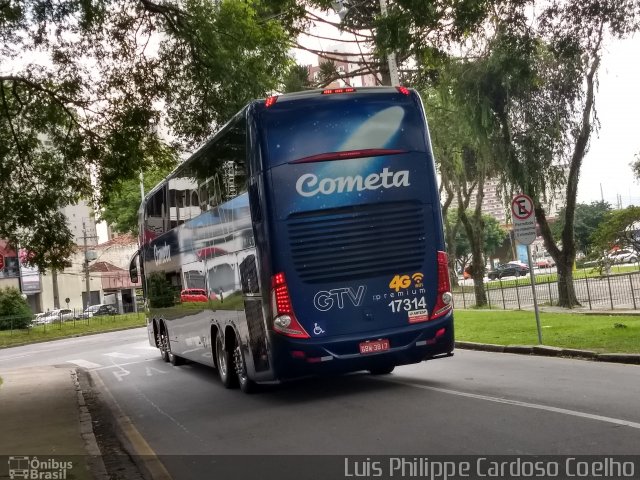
(308, 185)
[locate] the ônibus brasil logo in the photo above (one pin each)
(32, 468)
(309, 185)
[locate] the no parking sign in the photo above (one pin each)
(524, 220)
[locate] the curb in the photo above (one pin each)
(94, 461)
(547, 351)
(134, 443)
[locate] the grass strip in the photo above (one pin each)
(599, 333)
(70, 328)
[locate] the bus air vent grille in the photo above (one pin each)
(357, 242)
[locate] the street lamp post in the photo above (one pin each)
(342, 8)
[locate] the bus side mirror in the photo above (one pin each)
(133, 267)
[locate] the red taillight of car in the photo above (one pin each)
(403, 90)
(331, 91)
(270, 101)
(444, 299)
(284, 320)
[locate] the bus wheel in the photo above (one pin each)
(246, 384)
(163, 343)
(382, 370)
(224, 360)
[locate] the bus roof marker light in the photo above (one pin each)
(330, 91)
(270, 101)
(403, 90)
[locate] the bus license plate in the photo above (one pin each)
(374, 346)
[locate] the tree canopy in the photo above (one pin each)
(86, 87)
(621, 228)
(588, 218)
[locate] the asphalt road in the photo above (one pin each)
(476, 403)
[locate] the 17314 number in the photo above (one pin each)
(407, 304)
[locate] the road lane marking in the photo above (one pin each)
(152, 464)
(107, 367)
(84, 363)
(149, 373)
(517, 403)
(124, 356)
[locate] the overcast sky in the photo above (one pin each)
(618, 106)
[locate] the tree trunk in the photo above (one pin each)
(474, 228)
(566, 290)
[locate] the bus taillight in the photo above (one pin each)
(443, 298)
(284, 320)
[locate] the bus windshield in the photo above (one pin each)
(344, 123)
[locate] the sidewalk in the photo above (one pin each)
(45, 424)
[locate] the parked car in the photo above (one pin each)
(57, 315)
(623, 256)
(193, 295)
(39, 318)
(507, 270)
(97, 310)
(545, 262)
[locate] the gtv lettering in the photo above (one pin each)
(308, 184)
(326, 300)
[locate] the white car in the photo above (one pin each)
(62, 314)
(623, 256)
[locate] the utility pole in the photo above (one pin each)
(86, 266)
(87, 258)
(141, 186)
(391, 57)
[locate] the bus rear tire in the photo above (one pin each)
(163, 342)
(246, 384)
(224, 362)
(386, 370)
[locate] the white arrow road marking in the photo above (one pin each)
(149, 374)
(121, 373)
(125, 356)
(84, 363)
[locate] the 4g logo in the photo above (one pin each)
(401, 282)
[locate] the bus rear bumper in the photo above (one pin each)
(301, 357)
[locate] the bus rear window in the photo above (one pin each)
(342, 123)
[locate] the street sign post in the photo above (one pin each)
(524, 229)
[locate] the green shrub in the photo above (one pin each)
(15, 312)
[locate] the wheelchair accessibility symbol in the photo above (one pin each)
(317, 330)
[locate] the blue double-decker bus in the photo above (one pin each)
(304, 238)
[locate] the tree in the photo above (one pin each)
(297, 79)
(635, 167)
(14, 310)
(494, 237)
(536, 85)
(415, 30)
(620, 228)
(109, 72)
(587, 219)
